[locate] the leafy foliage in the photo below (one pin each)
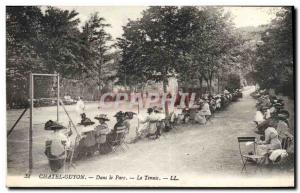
(233, 82)
(97, 56)
(51, 42)
(188, 43)
(274, 68)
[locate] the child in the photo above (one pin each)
(102, 131)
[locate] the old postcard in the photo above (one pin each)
(150, 96)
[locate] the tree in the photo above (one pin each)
(274, 68)
(187, 43)
(211, 41)
(60, 46)
(150, 44)
(131, 71)
(97, 55)
(23, 28)
(234, 82)
(40, 43)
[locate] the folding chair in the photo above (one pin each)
(246, 158)
(280, 162)
(286, 142)
(119, 141)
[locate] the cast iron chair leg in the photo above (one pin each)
(244, 165)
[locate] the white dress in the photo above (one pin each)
(59, 141)
(205, 109)
(150, 123)
(200, 118)
(259, 117)
(80, 107)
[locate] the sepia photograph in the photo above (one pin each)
(150, 96)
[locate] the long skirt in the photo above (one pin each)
(55, 162)
(104, 148)
(200, 119)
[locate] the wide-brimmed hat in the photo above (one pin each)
(157, 109)
(280, 100)
(129, 114)
(282, 117)
(283, 114)
(52, 125)
(278, 104)
(87, 122)
(102, 117)
(119, 114)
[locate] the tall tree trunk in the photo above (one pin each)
(165, 82)
(99, 91)
(218, 84)
(210, 86)
(200, 82)
(210, 77)
(207, 82)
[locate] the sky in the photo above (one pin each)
(118, 16)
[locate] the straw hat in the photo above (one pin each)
(102, 117)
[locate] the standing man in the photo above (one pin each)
(80, 107)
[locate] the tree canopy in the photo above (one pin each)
(193, 44)
(275, 66)
(187, 43)
(52, 42)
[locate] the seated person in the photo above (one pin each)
(101, 132)
(58, 145)
(128, 116)
(267, 113)
(266, 101)
(85, 121)
(199, 118)
(212, 105)
(284, 132)
(218, 102)
(200, 115)
(87, 144)
(263, 119)
(162, 122)
(283, 127)
(206, 109)
(150, 127)
(271, 142)
(204, 113)
(259, 117)
(119, 129)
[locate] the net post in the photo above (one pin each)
(31, 91)
(57, 98)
